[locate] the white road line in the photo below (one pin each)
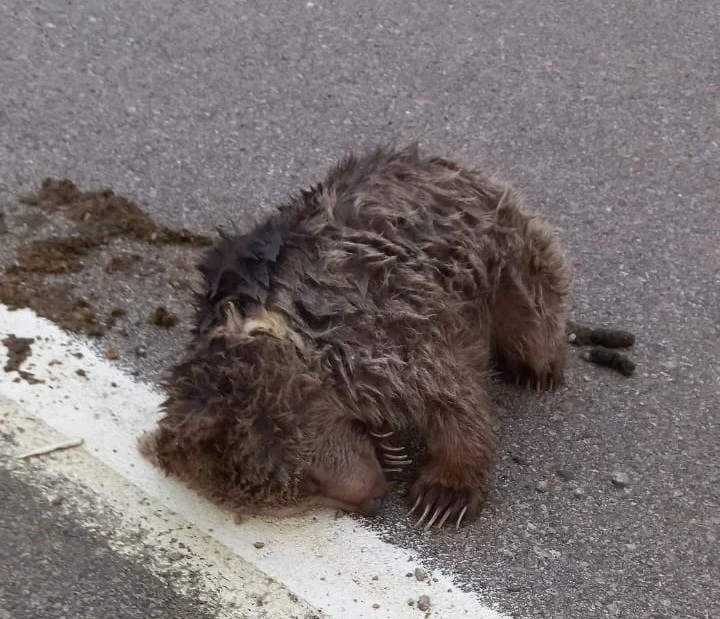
(336, 565)
(137, 528)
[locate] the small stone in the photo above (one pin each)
(411, 602)
(175, 556)
(55, 500)
(141, 351)
(420, 574)
(376, 577)
(514, 588)
(409, 575)
(542, 486)
(111, 354)
(81, 372)
(376, 605)
(578, 493)
(259, 545)
(619, 479)
(423, 602)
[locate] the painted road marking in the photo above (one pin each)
(336, 565)
(136, 527)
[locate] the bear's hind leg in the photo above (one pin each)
(529, 315)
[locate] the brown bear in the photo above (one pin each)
(385, 298)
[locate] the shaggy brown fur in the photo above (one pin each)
(375, 302)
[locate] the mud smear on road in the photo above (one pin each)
(102, 215)
(18, 351)
(36, 279)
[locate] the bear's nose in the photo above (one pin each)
(375, 497)
(371, 506)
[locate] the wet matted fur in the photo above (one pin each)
(382, 299)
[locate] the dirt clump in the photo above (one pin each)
(35, 280)
(30, 378)
(103, 215)
(53, 255)
(18, 351)
(162, 317)
(56, 302)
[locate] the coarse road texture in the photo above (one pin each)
(89, 580)
(606, 114)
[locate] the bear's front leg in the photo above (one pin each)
(452, 485)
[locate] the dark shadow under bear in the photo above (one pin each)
(382, 299)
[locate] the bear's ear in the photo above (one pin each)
(221, 453)
(239, 267)
(227, 276)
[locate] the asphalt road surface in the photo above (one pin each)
(607, 114)
(54, 568)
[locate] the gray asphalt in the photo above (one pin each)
(608, 117)
(56, 569)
